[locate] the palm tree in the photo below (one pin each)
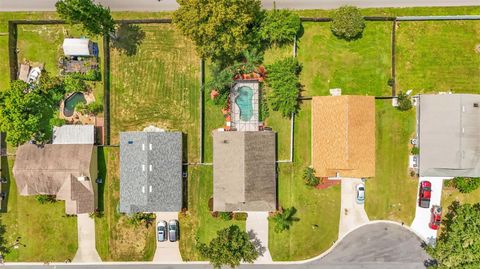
(284, 219)
(309, 177)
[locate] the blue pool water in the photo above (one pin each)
(244, 102)
(71, 102)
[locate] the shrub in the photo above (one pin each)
(93, 108)
(284, 86)
(309, 177)
(226, 215)
(415, 151)
(347, 23)
(240, 216)
(404, 102)
(90, 75)
(466, 184)
(280, 26)
(73, 84)
(45, 198)
(57, 122)
(210, 204)
(138, 218)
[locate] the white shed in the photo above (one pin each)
(74, 134)
(77, 47)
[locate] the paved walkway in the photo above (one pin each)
(257, 228)
(167, 252)
(162, 5)
(86, 251)
(422, 215)
(352, 214)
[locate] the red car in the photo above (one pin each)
(436, 218)
(424, 194)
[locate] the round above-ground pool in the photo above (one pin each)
(244, 102)
(71, 102)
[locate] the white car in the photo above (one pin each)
(162, 231)
(360, 193)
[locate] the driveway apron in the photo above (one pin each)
(352, 214)
(167, 252)
(86, 240)
(257, 228)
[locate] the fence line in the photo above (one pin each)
(394, 78)
(12, 50)
(439, 18)
(202, 108)
(106, 89)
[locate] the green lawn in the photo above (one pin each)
(392, 193)
(198, 222)
(157, 86)
(315, 207)
(116, 239)
(451, 194)
(361, 66)
(438, 56)
(46, 232)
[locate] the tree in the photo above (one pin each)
(92, 108)
(280, 27)
(348, 23)
(138, 218)
(458, 246)
(309, 177)
(220, 29)
(284, 86)
(95, 18)
(466, 184)
(404, 102)
(230, 247)
(284, 219)
(73, 84)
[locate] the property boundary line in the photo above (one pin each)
(394, 73)
(202, 108)
(106, 89)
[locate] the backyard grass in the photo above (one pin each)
(197, 222)
(438, 56)
(157, 86)
(318, 210)
(450, 194)
(391, 195)
(46, 233)
(116, 238)
(361, 67)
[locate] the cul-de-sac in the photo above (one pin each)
(255, 134)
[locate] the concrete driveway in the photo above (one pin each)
(167, 252)
(86, 251)
(422, 215)
(257, 228)
(352, 214)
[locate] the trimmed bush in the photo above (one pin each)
(225, 215)
(240, 216)
(347, 23)
(309, 177)
(404, 102)
(466, 184)
(415, 151)
(44, 198)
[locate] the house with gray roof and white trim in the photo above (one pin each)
(150, 171)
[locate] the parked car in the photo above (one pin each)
(436, 217)
(424, 194)
(360, 193)
(173, 230)
(162, 231)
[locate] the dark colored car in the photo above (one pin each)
(436, 218)
(173, 230)
(424, 194)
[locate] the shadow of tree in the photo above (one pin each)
(127, 39)
(256, 243)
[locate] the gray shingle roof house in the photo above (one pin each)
(244, 171)
(150, 172)
(448, 130)
(74, 134)
(67, 171)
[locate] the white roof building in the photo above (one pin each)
(74, 134)
(77, 47)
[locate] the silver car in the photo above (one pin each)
(173, 230)
(161, 231)
(360, 193)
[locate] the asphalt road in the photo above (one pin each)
(373, 246)
(159, 5)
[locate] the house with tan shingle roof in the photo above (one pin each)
(343, 136)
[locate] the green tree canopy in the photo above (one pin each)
(284, 219)
(220, 29)
(280, 27)
(95, 18)
(347, 23)
(404, 102)
(458, 246)
(466, 184)
(284, 86)
(230, 247)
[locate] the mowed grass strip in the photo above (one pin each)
(358, 67)
(157, 86)
(391, 195)
(197, 222)
(438, 56)
(117, 239)
(318, 210)
(46, 233)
